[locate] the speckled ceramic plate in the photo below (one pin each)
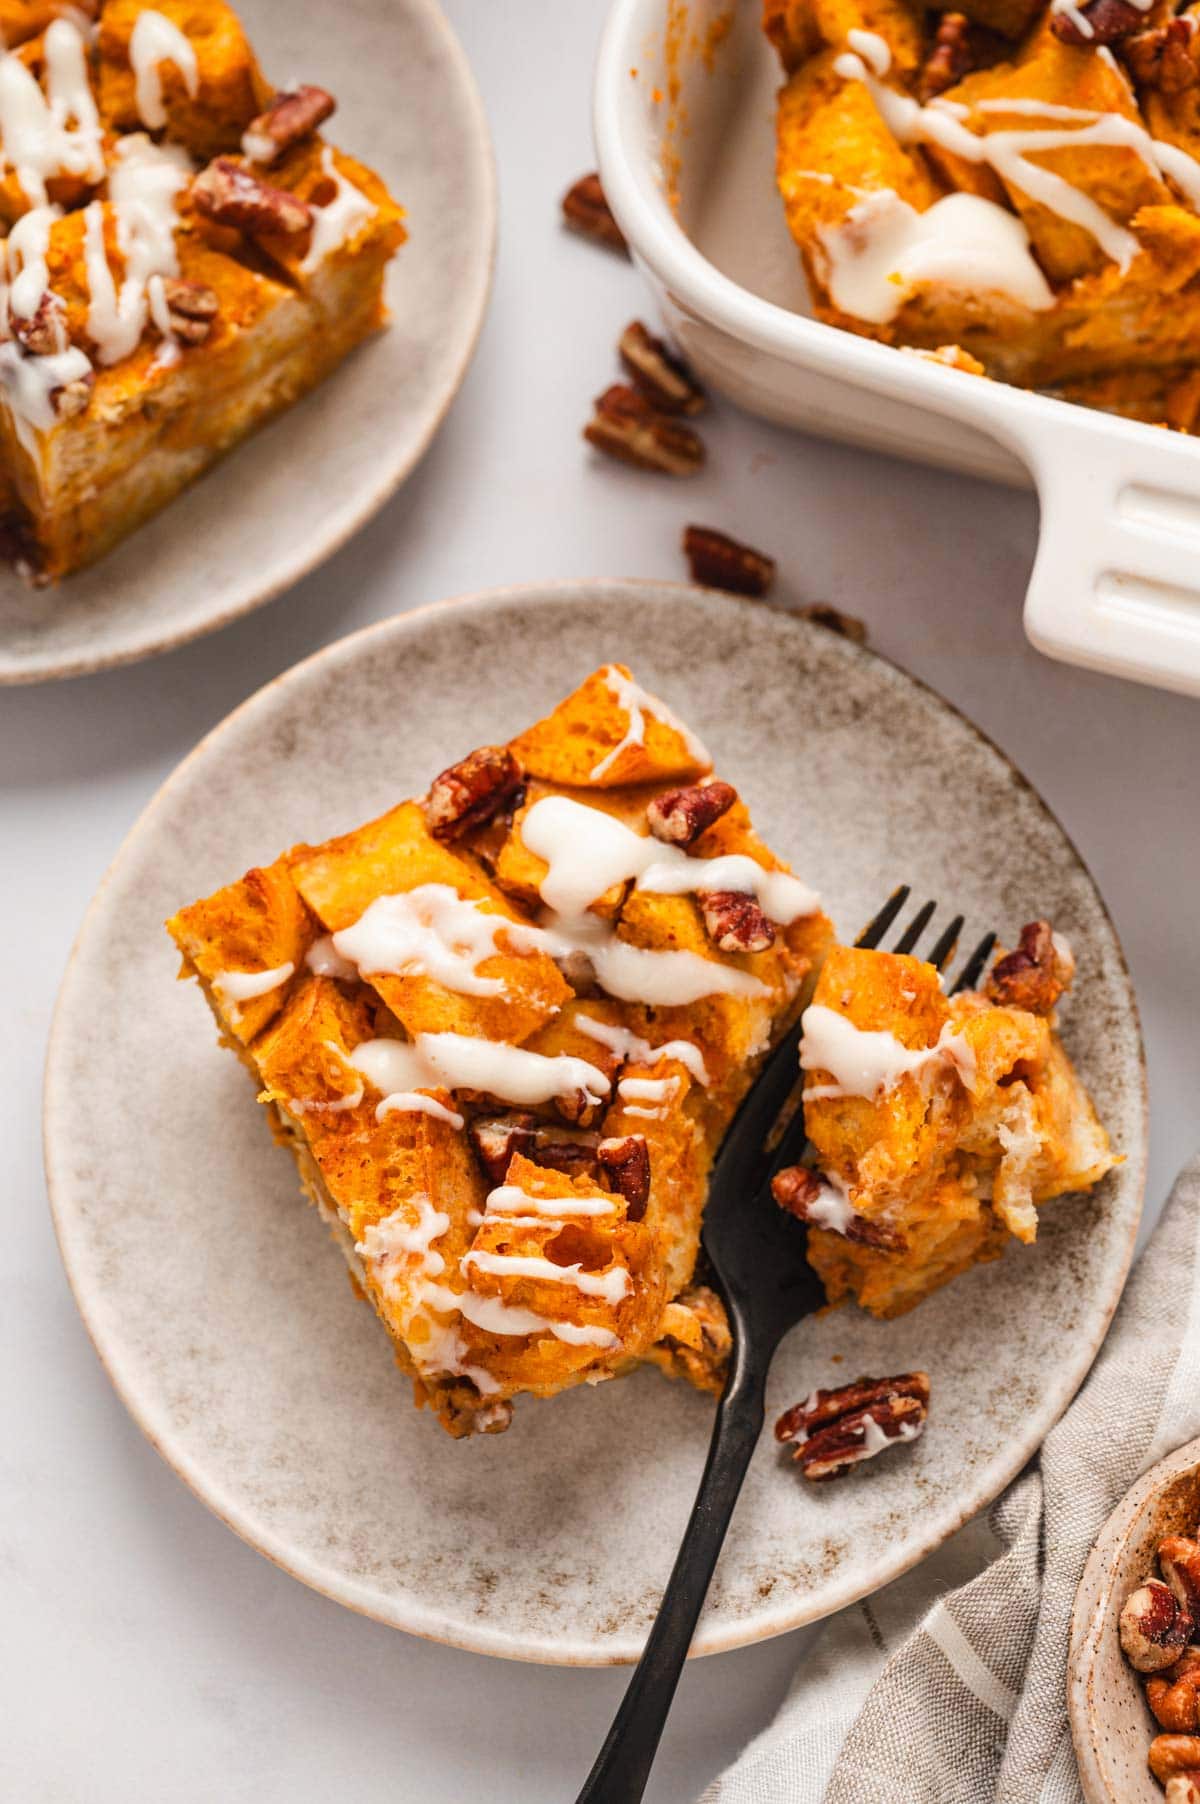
(223, 1313)
(290, 496)
(1110, 1721)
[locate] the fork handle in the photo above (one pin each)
(623, 1764)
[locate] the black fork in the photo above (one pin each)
(757, 1251)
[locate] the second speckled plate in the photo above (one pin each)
(223, 1314)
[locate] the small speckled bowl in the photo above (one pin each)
(1110, 1722)
(224, 1315)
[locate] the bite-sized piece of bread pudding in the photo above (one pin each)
(503, 1029)
(1013, 178)
(183, 257)
(938, 1124)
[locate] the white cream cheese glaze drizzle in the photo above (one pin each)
(55, 133)
(434, 932)
(611, 1285)
(628, 1045)
(637, 703)
(510, 1201)
(156, 40)
(244, 986)
(337, 222)
(462, 1062)
(143, 184)
(867, 1063)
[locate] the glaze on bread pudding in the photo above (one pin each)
(1012, 183)
(938, 1124)
(183, 257)
(503, 1029)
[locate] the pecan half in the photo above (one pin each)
(663, 377)
(290, 116)
(950, 57)
(735, 921)
(625, 1160)
(473, 791)
(845, 625)
(1174, 1695)
(627, 426)
(1167, 57)
(799, 1190)
(1182, 1788)
(231, 195)
(1179, 1563)
(586, 211)
(1103, 22)
(43, 332)
(191, 309)
(1154, 1627)
(720, 562)
(1036, 974)
(1172, 1754)
(680, 816)
(834, 1430)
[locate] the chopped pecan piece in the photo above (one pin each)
(1036, 974)
(586, 211)
(498, 1141)
(473, 791)
(1174, 1754)
(735, 921)
(625, 1160)
(1096, 23)
(950, 57)
(845, 625)
(74, 397)
(1154, 1627)
(663, 378)
(627, 426)
(720, 562)
(1166, 57)
(1174, 1695)
(294, 114)
(191, 309)
(799, 1190)
(232, 195)
(43, 332)
(1179, 1563)
(834, 1430)
(1183, 1788)
(578, 1108)
(681, 815)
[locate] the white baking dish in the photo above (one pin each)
(684, 100)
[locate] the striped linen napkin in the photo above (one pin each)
(949, 1686)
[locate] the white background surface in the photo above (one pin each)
(149, 1655)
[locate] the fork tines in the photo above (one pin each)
(945, 946)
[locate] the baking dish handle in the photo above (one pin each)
(1116, 584)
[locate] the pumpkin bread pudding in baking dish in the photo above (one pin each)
(183, 257)
(504, 1027)
(1011, 184)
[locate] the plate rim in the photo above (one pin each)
(413, 1617)
(376, 497)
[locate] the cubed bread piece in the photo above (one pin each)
(608, 734)
(205, 90)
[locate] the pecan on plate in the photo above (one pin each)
(1172, 1755)
(1174, 1695)
(1036, 974)
(846, 626)
(680, 816)
(720, 562)
(192, 308)
(43, 332)
(735, 921)
(627, 426)
(1154, 1627)
(292, 115)
(834, 1430)
(1096, 23)
(231, 195)
(1166, 57)
(625, 1161)
(663, 378)
(586, 211)
(473, 791)
(950, 57)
